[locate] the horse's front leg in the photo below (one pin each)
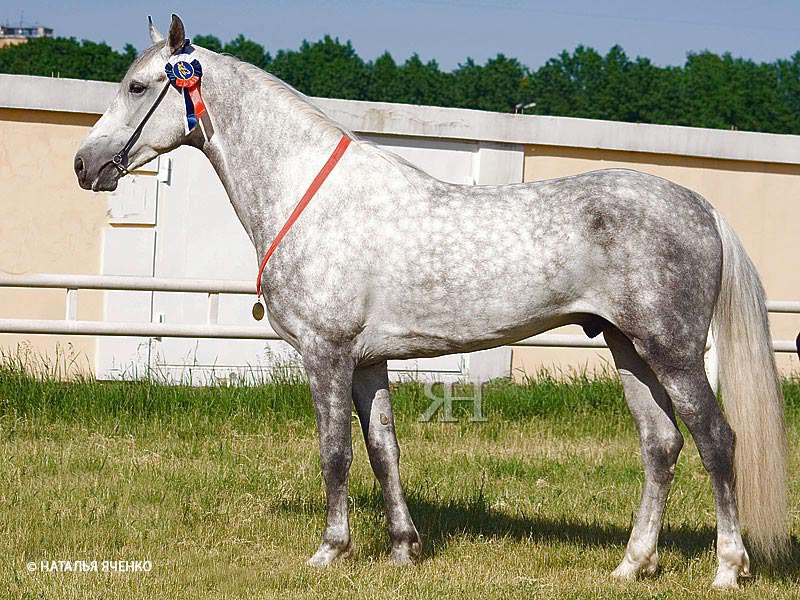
(330, 376)
(374, 406)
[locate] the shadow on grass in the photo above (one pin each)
(441, 523)
(785, 569)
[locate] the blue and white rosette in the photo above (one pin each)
(185, 73)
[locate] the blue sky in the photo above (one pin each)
(448, 30)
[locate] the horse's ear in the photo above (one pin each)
(177, 35)
(155, 34)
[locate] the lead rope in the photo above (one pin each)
(333, 159)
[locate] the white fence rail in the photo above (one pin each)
(212, 329)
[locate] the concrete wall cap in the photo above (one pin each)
(92, 97)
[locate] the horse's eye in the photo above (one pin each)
(136, 88)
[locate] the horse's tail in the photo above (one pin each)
(752, 396)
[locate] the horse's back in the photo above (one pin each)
(491, 263)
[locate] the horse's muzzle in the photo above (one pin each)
(102, 179)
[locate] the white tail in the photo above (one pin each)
(752, 396)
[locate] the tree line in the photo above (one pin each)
(708, 90)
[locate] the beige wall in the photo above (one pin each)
(761, 201)
(11, 41)
(47, 223)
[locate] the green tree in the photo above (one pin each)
(730, 93)
(565, 85)
(615, 98)
(424, 83)
(655, 91)
(248, 51)
(496, 86)
(209, 42)
(324, 68)
(66, 57)
(709, 90)
(240, 47)
(787, 89)
(384, 80)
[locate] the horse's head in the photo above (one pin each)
(140, 89)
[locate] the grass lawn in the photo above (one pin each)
(219, 488)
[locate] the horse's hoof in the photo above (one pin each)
(629, 569)
(327, 553)
(728, 577)
(726, 580)
(625, 572)
(406, 553)
(733, 564)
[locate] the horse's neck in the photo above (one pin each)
(264, 140)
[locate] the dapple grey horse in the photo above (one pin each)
(389, 263)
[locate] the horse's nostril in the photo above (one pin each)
(78, 165)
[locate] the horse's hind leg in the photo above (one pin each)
(374, 407)
(691, 394)
(661, 443)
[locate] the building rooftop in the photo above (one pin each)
(25, 31)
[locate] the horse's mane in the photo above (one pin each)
(300, 101)
(308, 107)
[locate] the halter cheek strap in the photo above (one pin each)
(120, 159)
(333, 159)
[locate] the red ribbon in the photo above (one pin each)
(197, 100)
(312, 189)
